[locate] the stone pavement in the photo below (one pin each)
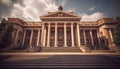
(59, 60)
(56, 53)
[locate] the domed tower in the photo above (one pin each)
(60, 8)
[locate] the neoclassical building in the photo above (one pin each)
(63, 29)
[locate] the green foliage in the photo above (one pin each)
(5, 35)
(2, 25)
(117, 33)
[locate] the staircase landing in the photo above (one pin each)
(60, 49)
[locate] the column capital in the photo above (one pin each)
(72, 23)
(48, 23)
(56, 23)
(78, 24)
(43, 23)
(65, 23)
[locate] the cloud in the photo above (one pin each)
(6, 7)
(92, 9)
(6, 2)
(33, 9)
(93, 17)
(29, 10)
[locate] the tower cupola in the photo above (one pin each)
(60, 8)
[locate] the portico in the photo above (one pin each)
(63, 34)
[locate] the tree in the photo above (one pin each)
(117, 33)
(5, 35)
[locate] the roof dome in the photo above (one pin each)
(60, 8)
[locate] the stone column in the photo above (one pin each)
(24, 37)
(78, 34)
(42, 35)
(31, 38)
(38, 37)
(84, 37)
(48, 36)
(65, 37)
(16, 37)
(72, 34)
(91, 37)
(55, 35)
(111, 37)
(108, 35)
(98, 36)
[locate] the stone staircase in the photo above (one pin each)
(60, 49)
(62, 62)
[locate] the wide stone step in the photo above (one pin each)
(60, 49)
(64, 61)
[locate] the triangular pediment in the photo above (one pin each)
(60, 14)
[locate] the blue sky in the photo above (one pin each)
(30, 10)
(108, 7)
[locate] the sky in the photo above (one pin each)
(31, 10)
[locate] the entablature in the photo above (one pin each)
(32, 24)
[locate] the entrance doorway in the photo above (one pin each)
(60, 33)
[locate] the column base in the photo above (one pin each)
(113, 48)
(79, 45)
(87, 49)
(47, 46)
(55, 46)
(65, 46)
(72, 46)
(33, 49)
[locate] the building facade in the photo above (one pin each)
(63, 29)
